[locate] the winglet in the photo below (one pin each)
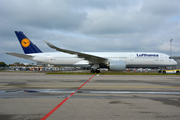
(49, 44)
(52, 46)
(59, 49)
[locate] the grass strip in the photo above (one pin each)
(108, 73)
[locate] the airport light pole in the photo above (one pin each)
(171, 47)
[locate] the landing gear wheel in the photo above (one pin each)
(95, 71)
(159, 71)
(92, 71)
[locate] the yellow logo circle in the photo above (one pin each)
(25, 42)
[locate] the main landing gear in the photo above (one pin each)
(95, 71)
(94, 68)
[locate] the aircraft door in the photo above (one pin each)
(161, 58)
(47, 57)
(132, 57)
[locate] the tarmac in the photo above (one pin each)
(31, 96)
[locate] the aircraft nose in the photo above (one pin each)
(175, 63)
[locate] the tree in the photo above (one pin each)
(16, 64)
(2, 64)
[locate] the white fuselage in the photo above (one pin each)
(132, 59)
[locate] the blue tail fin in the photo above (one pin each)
(26, 44)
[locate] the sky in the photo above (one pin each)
(90, 25)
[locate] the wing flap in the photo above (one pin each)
(91, 58)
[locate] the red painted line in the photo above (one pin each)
(54, 109)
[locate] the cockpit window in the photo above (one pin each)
(170, 58)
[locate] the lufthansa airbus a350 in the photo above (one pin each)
(115, 61)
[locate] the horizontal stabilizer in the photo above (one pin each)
(21, 55)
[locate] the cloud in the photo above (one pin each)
(161, 7)
(91, 25)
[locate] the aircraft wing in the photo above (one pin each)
(21, 55)
(90, 58)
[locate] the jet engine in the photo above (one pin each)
(117, 65)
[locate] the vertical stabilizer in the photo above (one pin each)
(26, 44)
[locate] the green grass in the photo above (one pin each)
(108, 73)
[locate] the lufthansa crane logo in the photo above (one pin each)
(25, 42)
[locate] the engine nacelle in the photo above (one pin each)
(117, 65)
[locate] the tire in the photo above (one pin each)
(97, 71)
(177, 72)
(164, 72)
(92, 71)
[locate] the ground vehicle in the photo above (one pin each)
(171, 71)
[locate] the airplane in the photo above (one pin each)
(114, 61)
